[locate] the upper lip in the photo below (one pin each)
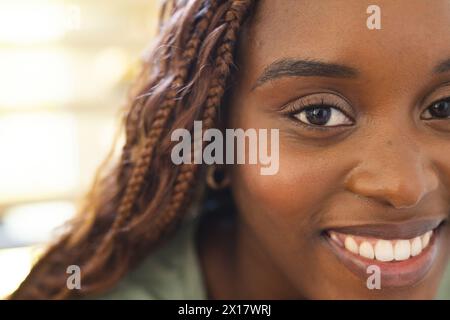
(391, 231)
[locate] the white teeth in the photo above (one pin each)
(426, 239)
(351, 245)
(416, 246)
(366, 250)
(384, 250)
(402, 250)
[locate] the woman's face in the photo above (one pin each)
(368, 161)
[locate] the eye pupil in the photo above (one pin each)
(318, 115)
(440, 109)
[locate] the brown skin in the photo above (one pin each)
(399, 172)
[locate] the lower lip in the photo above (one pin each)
(392, 274)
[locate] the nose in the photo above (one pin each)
(397, 174)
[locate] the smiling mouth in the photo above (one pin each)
(404, 254)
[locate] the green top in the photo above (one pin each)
(173, 272)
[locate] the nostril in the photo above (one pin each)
(400, 183)
(388, 190)
(402, 195)
(394, 201)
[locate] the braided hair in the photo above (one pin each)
(135, 205)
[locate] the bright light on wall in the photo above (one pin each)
(34, 78)
(39, 155)
(108, 67)
(14, 267)
(27, 22)
(36, 222)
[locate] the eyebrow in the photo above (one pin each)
(443, 66)
(305, 68)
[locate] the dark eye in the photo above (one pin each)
(440, 110)
(323, 116)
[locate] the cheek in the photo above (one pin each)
(293, 197)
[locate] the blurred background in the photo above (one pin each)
(65, 67)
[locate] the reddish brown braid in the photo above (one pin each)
(224, 60)
(160, 119)
(132, 207)
(158, 125)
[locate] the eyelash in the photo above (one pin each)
(446, 99)
(300, 106)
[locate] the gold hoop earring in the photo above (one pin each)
(216, 179)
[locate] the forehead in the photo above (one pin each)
(414, 35)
